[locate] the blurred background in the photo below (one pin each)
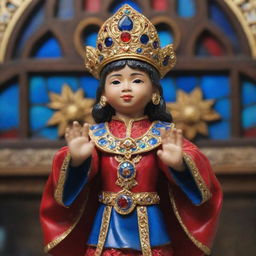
(43, 87)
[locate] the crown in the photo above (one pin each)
(128, 35)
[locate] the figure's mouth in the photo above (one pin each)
(127, 97)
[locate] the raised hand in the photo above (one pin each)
(171, 152)
(79, 143)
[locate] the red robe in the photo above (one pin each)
(192, 227)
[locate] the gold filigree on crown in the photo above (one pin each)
(128, 35)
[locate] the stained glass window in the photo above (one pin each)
(119, 3)
(186, 8)
(159, 5)
(65, 9)
(41, 86)
(216, 87)
(90, 35)
(30, 27)
(220, 19)
(9, 111)
(208, 45)
(248, 98)
(165, 34)
(48, 48)
(91, 6)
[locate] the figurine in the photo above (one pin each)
(129, 184)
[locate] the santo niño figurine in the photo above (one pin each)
(129, 184)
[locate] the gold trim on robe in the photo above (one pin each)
(197, 243)
(61, 237)
(205, 193)
(144, 230)
(103, 229)
(58, 194)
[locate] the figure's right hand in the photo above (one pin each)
(79, 143)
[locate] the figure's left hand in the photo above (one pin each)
(171, 152)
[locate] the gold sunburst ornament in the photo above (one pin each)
(70, 106)
(191, 113)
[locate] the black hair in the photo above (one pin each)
(154, 112)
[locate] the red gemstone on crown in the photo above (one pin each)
(126, 37)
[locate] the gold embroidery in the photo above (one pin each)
(61, 237)
(103, 229)
(198, 244)
(206, 194)
(58, 194)
(144, 230)
(107, 142)
(130, 199)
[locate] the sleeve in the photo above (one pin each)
(73, 179)
(76, 179)
(194, 181)
(187, 183)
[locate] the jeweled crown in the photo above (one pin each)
(128, 35)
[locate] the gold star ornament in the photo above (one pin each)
(70, 106)
(191, 113)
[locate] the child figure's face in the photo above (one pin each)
(128, 91)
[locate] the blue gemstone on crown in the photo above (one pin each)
(166, 60)
(108, 41)
(125, 23)
(126, 11)
(100, 47)
(155, 44)
(101, 58)
(139, 50)
(144, 39)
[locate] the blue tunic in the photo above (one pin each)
(123, 230)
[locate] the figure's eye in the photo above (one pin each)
(138, 81)
(115, 82)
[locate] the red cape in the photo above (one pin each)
(192, 228)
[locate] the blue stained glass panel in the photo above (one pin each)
(39, 117)
(215, 86)
(223, 107)
(90, 39)
(89, 85)
(32, 26)
(187, 83)
(119, 3)
(169, 90)
(65, 9)
(49, 49)
(49, 133)
(248, 93)
(249, 117)
(38, 91)
(220, 19)
(165, 37)
(55, 83)
(186, 8)
(219, 130)
(9, 108)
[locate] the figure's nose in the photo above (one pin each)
(126, 86)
